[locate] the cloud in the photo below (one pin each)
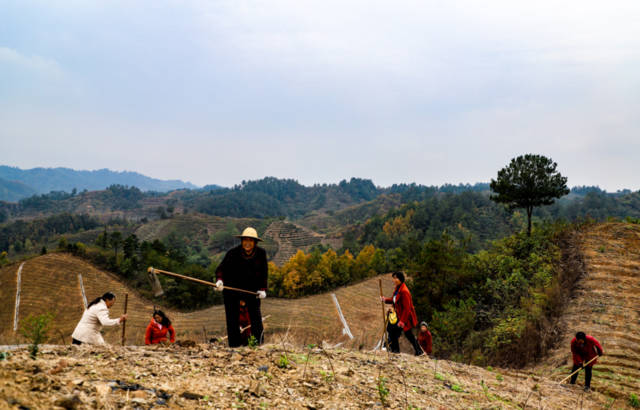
(34, 63)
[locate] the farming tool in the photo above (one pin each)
(157, 287)
(242, 329)
(385, 339)
(583, 366)
(124, 324)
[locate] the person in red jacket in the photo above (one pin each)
(244, 320)
(407, 319)
(158, 328)
(583, 349)
(424, 338)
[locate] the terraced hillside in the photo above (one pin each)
(51, 283)
(290, 238)
(606, 304)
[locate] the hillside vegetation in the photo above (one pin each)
(604, 304)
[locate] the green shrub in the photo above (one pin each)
(383, 390)
(634, 401)
(283, 363)
(35, 329)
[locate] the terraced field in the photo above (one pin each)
(290, 238)
(50, 283)
(606, 304)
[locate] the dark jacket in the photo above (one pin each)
(590, 349)
(241, 272)
(403, 305)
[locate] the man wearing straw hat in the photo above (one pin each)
(243, 267)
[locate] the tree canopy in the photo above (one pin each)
(528, 181)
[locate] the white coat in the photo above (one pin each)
(88, 329)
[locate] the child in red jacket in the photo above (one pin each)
(158, 328)
(424, 338)
(244, 321)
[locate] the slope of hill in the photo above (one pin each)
(13, 191)
(44, 180)
(51, 283)
(275, 376)
(606, 305)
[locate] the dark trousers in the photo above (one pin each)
(394, 333)
(587, 375)
(232, 311)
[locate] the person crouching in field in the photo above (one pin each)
(94, 317)
(158, 328)
(424, 338)
(407, 319)
(583, 349)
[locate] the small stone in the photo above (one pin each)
(78, 382)
(138, 400)
(68, 402)
(263, 368)
(191, 396)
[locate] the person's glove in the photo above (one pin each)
(401, 325)
(262, 294)
(219, 285)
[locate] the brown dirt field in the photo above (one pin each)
(50, 283)
(213, 376)
(606, 305)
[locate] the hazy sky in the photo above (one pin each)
(430, 92)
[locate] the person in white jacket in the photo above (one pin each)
(96, 316)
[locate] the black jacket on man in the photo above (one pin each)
(249, 273)
(238, 271)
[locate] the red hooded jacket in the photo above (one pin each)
(244, 320)
(425, 341)
(403, 305)
(158, 334)
(590, 349)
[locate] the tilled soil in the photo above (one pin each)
(270, 376)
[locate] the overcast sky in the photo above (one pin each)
(431, 92)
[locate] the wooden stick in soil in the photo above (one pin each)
(124, 324)
(385, 339)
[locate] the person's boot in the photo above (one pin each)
(587, 389)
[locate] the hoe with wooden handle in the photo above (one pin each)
(157, 287)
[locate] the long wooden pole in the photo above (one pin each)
(583, 366)
(124, 325)
(202, 282)
(385, 339)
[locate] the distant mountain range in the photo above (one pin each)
(16, 183)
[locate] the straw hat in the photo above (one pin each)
(249, 233)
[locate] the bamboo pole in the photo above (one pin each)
(124, 324)
(202, 282)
